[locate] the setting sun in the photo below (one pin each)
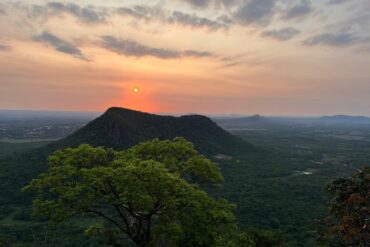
(136, 90)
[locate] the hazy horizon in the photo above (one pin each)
(98, 113)
(268, 57)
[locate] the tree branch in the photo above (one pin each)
(88, 210)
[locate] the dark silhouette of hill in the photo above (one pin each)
(121, 128)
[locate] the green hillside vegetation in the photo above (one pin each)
(350, 210)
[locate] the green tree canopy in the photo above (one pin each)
(350, 206)
(150, 193)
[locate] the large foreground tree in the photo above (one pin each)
(150, 193)
(350, 208)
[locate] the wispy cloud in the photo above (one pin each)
(4, 47)
(332, 39)
(207, 3)
(195, 21)
(60, 45)
(143, 12)
(92, 15)
(299, 10)
(281, 34)
(198, 3)
(132, 48)
(253, 15)
(242, 60)
(258, 12)
(191, 53)
(334, 2)
(88, 14)
(155, 13)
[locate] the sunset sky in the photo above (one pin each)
(275, 57)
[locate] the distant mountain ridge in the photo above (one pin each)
(253, 118)
(346, 118)
(256, 122)
(241, 122)
(121, 128)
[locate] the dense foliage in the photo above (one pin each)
(350, 208)
(150, 193)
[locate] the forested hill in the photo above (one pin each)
(118, 128)
(121, 128)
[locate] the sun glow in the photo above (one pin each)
(136, 90)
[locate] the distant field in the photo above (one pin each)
(283, 186)
(21, 131)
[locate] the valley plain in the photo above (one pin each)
(277, 181)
